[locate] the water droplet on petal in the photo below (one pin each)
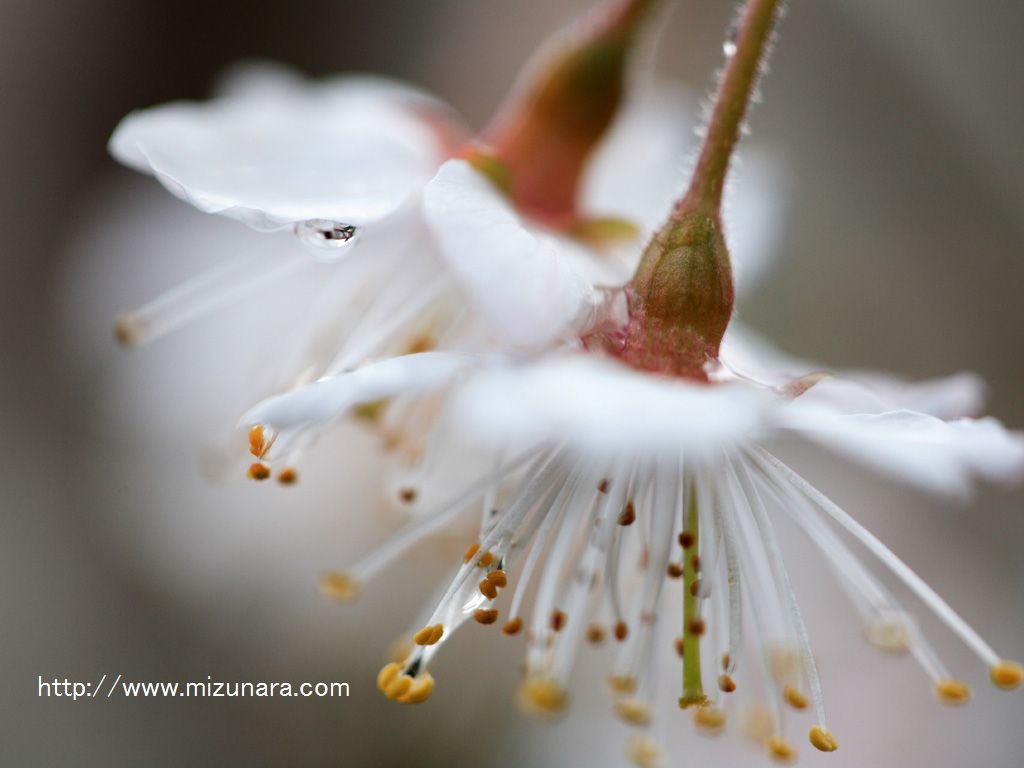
(326, 235)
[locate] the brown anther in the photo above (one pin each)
(558, 619)
(488, 590)
(485, 615)
(288, 476)
(781, 750)
(686, 539)
(603, 485)
(512, 626)
(726, 684)
(725, 660)
(628, 514)
(259, 441)
(695, 587)
(793, 697)
(339, 586)
(633, 711)
(473, 549)
(823, 739)
(429, 635)
(1007, 675)
(709, 718)
(129, 329)
(258, 471)
(485, 560)
(595, 633)
(680, 644)
(674, 571)
(952, 692)
(407, 495)
(695, 561)
(621, 630)
(695, 626)
(421, 343)
(498, 578)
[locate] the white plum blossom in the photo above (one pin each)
(634, 442)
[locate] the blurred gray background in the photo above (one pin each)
(904, 250)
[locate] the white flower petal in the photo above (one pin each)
(945, 457)
(522, 283)
(643, 167)
(602, 407)
(329, 398)
(349, 150)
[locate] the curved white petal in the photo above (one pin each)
(329, 398)
(523, 283)
(852, 391)
(945, 457)
(350, 150)
(643, 166)
(601, 407)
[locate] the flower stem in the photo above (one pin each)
(693, 687)
(731, 104)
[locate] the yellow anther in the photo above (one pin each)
(428, 635)
(485, 560)
(473, 549)
(622, 683)
(633, 711)
(420, 690)
(794, 697)
(260, 441)
(823, 740)
(387, 674)
(258, 471)
(288, 476)
(336, 585)
(398, 687)
(709, 718)
(542, 696)
(781, 750)
(726, 684)
(595, 633)
(643, 752)
(421, 343)
(485, 615)
(1007, 675)
(952, 692)
(512, 626)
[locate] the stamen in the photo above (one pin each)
(260, 439)
(1007, 674)
(823, 740)
(709, 719)
(633, 711)
(258, 471)
(485, 615)
(428, 635)
(288, 476)
(621, 631)
(199, 296)
(595, 634)
(339, 586)
(644, 752)
(726, 684)
(780, 750)
(952, 692)
(543, 696)
(794, 698)
(512, 626)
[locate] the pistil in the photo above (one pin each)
(693, 624)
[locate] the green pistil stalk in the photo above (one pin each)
(731, 105)
(693, 625)
(681, 296)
